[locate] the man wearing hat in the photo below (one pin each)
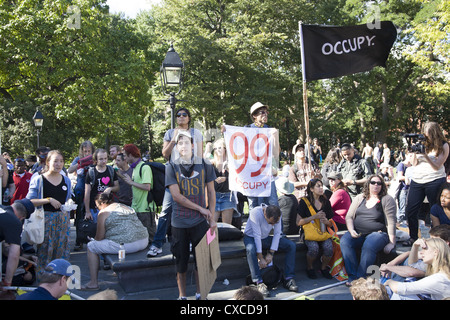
(11, 219)
(260, 115)
(53, 283)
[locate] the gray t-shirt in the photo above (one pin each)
(193, 188)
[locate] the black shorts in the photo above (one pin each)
(181, 239)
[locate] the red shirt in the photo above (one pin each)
(340, 202)
(22, 185)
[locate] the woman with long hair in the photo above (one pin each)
(52, 189)
(440, 212)
(330, 164)
(225, 199)
(301, 172)
(436, 283)
(321, 205)
(428, 175)
(371, 227)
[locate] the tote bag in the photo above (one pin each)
(34, 226)
(336, 263)
(312, 229)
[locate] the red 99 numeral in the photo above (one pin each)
(264, 157)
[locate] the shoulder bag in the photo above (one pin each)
(34, 227)
(312, 229)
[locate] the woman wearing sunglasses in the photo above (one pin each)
(183, 123)
(370, 222)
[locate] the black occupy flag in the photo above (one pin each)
(330, 52)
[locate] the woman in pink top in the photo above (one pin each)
(340, 199)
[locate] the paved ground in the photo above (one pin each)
(219, 291)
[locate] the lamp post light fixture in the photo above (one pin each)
(38, 119)
(171, 73)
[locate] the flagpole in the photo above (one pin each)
(305, 95)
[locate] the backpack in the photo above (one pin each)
(91, 173)
(159, 182)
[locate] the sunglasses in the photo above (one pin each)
(184, 114)
(378, 183)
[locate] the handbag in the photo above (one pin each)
(86, 228)
(34, 226)
(271, 277)
(336, 263)
(312, 229)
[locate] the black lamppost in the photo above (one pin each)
(171, 73)
(38, 119)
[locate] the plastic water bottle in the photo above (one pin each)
(121, 252)
(322, 227)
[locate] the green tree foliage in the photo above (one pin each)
(99, 81)
(88, 72)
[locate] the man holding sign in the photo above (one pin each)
(187, 177)
(251, 153)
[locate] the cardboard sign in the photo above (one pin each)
(207, 254)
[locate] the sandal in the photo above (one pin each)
(86, 288)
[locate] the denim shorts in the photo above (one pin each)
(225, 200)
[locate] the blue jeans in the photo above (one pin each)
(94, 213)
(285, 245)
(402, 204)
(416, 195)
(254, 202)
(163, 220)
(369, 244)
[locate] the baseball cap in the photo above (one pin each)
(257, 106)
(29, 206)
(61, 267)
(334, 175)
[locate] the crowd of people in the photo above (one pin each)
(360, 193)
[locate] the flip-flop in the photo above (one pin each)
(86, 288)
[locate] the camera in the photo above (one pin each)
(415, 142)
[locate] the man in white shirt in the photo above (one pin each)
(262, 220)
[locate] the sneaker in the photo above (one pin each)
(154, 251)
(263, 289)
(181, 298)
(290, 285)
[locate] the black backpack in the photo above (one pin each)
(159, 182)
